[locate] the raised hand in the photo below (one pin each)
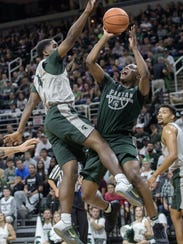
(132, 38)
(90, 5)
(107, 34)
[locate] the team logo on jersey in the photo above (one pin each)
(119, 100)
(84, 127)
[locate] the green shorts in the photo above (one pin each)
(124, 149)
(177, 201)
(66, 131)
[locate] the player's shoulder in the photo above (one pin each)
(170, 128)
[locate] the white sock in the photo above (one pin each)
(108, 209)
(121, 178)
(65, 220)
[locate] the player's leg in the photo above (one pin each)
(73, 128)
(69, 166)
(176, 210)
(131, 169)
(92, 196)
(177, 219)
(110, 162)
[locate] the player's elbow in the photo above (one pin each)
(89, 61)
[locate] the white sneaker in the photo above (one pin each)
(129, 193)
(68, 234)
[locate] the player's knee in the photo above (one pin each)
(88, 194)
(134, 178)
(85, 195)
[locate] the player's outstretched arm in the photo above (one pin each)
(29, 144)
(144, 85)
(75, 30)
(16, 137)
(91, 61)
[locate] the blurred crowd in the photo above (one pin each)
(160, 39)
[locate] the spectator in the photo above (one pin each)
(21, 170)
(7, 232)
(43, 175)
(144, 117)
(28, 159)
(103, 187)
(47, 223)
(43, 155)
(167, 192)
(52, 201)
(10, 173)
(146, 170)
(152, 155)
(155, 134)
(160, 70)
(139, 231)
(140, 134)
(2, 181)
(15, 112)
(53, 162)
(110, 195)
(21, 100)
(8, 205)
(97, 226)
(44, 143)
(32, 193)
(53, 237)
(31, 130)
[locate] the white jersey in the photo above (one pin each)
(8, 206)
(179, 162)
(52, 83)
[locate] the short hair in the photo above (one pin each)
(40, 47)
(170, 107)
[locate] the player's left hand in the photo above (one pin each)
(132, 38)
(107, 34)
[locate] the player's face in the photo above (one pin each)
(128, 76)
(165, 116)
(51, 48)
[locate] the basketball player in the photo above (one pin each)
(66, 130)
(7, 151)
(172, 142)
(120, 105)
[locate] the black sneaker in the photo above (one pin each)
(110, 218)
(160, 235)
(68, 234)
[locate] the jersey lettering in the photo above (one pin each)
(119, 100)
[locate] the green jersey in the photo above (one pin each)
(119, 108)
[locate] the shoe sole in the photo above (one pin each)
(64, 237)
(130, 199)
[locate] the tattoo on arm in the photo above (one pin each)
(2, 153)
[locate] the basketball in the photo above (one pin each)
(115, 20)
